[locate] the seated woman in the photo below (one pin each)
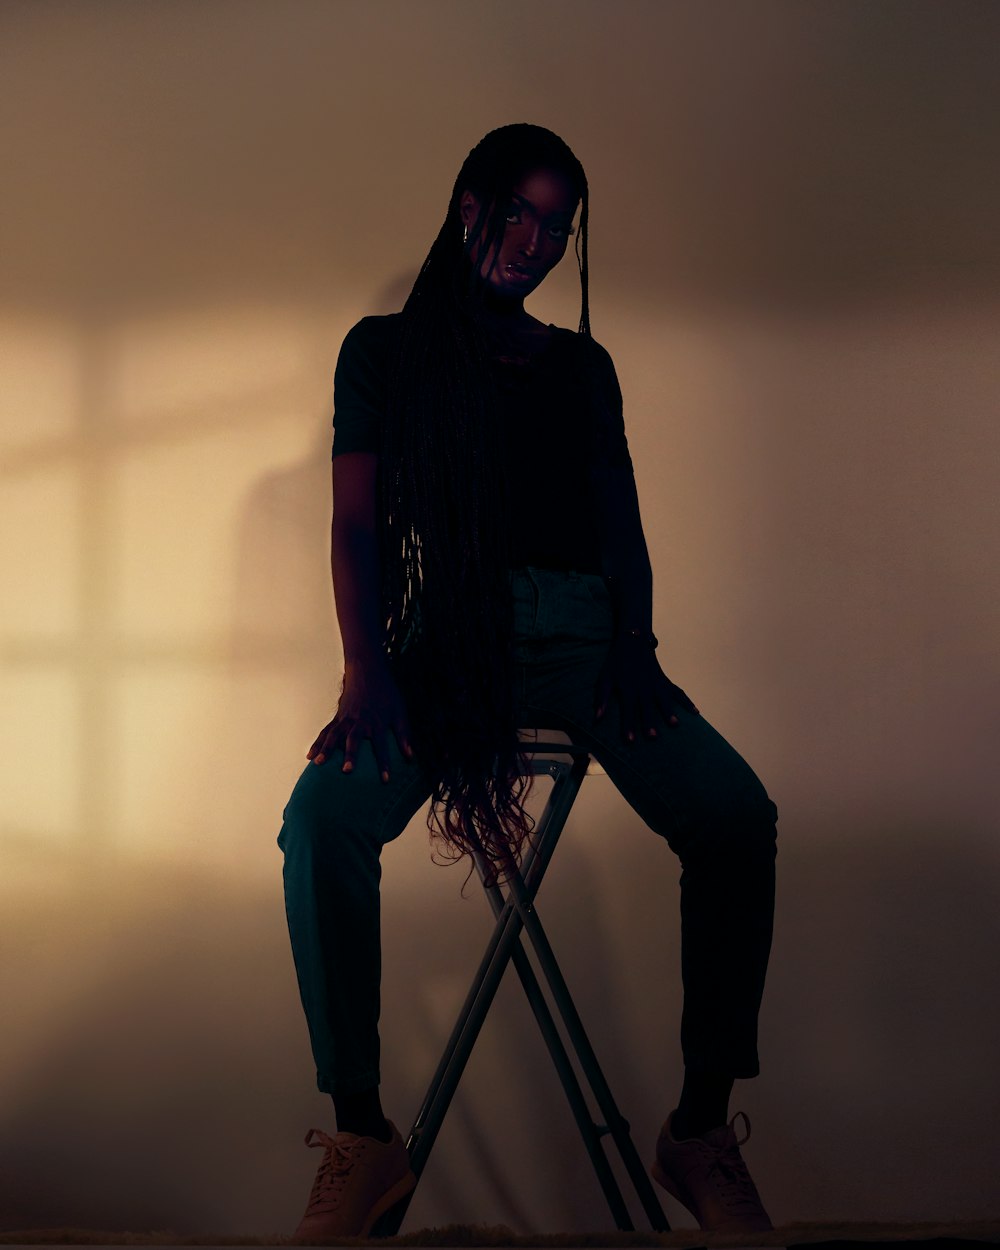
(490, 573)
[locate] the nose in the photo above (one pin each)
(529, 244)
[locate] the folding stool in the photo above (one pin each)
(515, 912)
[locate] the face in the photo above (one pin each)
(538, 228)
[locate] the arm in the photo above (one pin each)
(354, 558)
(370, 704)
(359, 402)
(631, 672)
(624, 556)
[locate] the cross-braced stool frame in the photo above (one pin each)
(515, 911)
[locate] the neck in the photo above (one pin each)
(502, 312)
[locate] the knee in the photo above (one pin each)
(316, 821)
(299, 827)
(754, 824)
(741, 829)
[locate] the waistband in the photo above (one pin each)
(538, 574)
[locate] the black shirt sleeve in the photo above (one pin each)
(359, 386)
(610, 444)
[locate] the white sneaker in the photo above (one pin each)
(707, 1175)
(358, 1180)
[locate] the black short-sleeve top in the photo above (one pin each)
(562, 416)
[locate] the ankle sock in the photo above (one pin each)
(365, 1128)
(703, 1104)
(682, 1129)
(362, 1113)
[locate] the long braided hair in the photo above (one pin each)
(443, 517)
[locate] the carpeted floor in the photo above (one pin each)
(956, 1235)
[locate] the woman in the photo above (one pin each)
(490, 573)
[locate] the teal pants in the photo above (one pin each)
(688, 785)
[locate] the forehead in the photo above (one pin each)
(549, 191)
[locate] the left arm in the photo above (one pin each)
(624, 556)
(631, 671)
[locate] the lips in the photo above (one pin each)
(522, 271)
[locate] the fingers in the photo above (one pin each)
(380, 746)
(351, 738)
(635, 709)
(668, 714)
(318, 744)
(668, 695)
(351, 745)
(324, 744)
(630, 717)
(666, 705)
(639, 711)
(647, 716)
(402, 732)
(643, 712)
(685, 701)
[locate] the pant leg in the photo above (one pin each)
(334, 827)
(690, 786)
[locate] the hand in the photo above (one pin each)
(370, 706)
(632, 672)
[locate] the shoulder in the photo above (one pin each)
(373, 334)
(598, 351)
(585, 344)
(593, 357)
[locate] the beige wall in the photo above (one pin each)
(794, 266)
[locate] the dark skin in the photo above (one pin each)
(537, 232)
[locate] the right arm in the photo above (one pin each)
(354, 558)
(370, 704)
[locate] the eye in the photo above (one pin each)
(562, 232)
(514, 216)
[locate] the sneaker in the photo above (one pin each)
(708, 1176)
(358, 1180)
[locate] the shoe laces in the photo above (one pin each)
(733, 1181)
(338, 1159)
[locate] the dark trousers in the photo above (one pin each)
(688, 785)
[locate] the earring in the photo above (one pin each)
(465, 235)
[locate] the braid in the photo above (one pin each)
(444, 521)
(581, 260)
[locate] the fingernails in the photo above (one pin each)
(318, 759)
(651, 732)
(385, 776)
(347, 767)
(673, 720)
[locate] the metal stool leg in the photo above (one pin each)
(615, 1122)
(514, 912)
(477, 1003)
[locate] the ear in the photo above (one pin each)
(468, 207)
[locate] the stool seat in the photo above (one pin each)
(546, 744)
